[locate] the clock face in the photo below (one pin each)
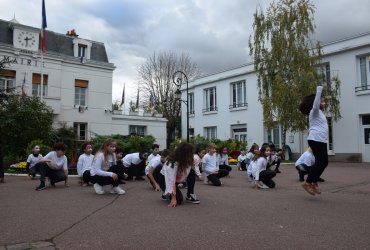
(26, 39)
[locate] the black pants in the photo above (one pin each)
(135, 170)
(107, 180)
(302, 169)
(226, 167)
(266, 177)
(320, 151)
(32, 171)
(55, 175)
(86, 177)
(215, 178)
(190, 181)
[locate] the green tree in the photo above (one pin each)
(288, 63)
(155, 79)
(23, 119)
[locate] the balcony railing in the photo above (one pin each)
(362, 88)
(209, 109)
(238, 105)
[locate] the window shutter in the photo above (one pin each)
(81, 83)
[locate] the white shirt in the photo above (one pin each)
(151, 156)
(318, 130)
(251, 167)
(84, 163)
(210, 164)
(197, 161)
(241, 158)
(153, 163)
(307, 158)
(172, 177)
(56, 162)
(223, 159)
(258, 166)
(130, 159)
(33, 160)
(99, 167)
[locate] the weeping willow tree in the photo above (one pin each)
(288, 64)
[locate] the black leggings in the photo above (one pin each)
(226, 167)
(190, 181)
(215, 178)
(320, 151)
(266, 177)
(107, 180)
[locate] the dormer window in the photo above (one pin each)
(81, 48)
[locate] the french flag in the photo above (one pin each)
(43, 31)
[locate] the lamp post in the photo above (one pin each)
(177, 78)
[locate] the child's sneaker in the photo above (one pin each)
(117, 190)
(308, 187)
(192, 198)
(98, 189)
(262, 185)
(41, 186)
(165, 197)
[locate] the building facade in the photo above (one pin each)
(75, 81)
(225, 104)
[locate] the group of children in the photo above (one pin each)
(166, 171)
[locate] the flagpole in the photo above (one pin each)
(43, 46)
(42, 76)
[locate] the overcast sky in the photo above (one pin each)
(213, 32)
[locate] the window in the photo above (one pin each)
(7, 80)
(81, 131)
(239, 95)
(210, 133)
(191, 103)
(82, 50)
(191, 132)
(273, 135)
(324, 75)
(137, 130)
(36, 85)
(80, 92)
(366, 120)
(210, 100)
(364, 62)
(6, 84)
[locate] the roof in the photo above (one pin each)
(56, 42)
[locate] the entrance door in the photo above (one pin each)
(366, 138)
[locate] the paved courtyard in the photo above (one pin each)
(233, 216)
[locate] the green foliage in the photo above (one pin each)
(68, 136)
(44, 149)
(129, 144)
(286, 62)
(201, 142)
(23, 119)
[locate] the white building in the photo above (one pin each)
(225, 104)
(77, 81)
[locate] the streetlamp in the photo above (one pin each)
(177, 78)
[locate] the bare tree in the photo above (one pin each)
(155, 81)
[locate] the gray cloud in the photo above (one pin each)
(214, 33)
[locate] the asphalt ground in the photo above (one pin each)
(233, 216)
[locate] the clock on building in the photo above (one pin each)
(26, 39)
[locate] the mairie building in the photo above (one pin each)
(76, 81)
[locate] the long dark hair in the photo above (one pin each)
(261, 152)
(306, 104)
(183, 155)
